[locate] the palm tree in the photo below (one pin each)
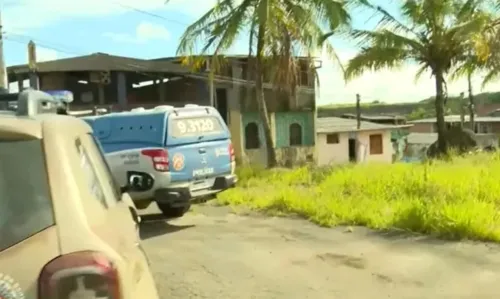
(472, 63)
(289, 26)
(488, 48)
(431, 33)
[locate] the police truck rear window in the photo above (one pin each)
(196, 126)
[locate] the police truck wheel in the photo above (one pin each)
(173, 212)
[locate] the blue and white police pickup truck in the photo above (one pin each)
(187, 153)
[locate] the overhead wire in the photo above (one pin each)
(148, 13)
(194, 75)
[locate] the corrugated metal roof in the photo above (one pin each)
(429, 138)
(374, 117)
(101, 62)
(234, 56)
(456, 118)
(337, 125)
(421, 138)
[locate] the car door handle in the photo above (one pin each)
(202, 150)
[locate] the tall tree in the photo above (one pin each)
(294, 26)
(429, 33)
(488, 51)
(472, 62)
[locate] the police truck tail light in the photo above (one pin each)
(159, 158)
(231, 152)
(85, 274)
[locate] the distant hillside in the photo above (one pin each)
(415, 110)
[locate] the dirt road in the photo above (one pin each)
(213, 253)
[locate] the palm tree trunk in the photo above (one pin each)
(261, 101)
(441, 126)
(471, 102)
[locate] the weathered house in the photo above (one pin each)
(340, 141)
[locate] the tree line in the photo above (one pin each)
(449, 38)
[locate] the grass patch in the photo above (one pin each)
(454, 199)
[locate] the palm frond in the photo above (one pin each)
(420, 72)
(225, 33)
(491, 76)
(333, 13)
(375, 59)
(463, 70)
(466, 30)
(390, 22)
(386, 38)
(197, 30)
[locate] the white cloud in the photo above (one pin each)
(36, 13)
(147, 31)
(192, 8)
(386, 86)
(144, 32)
(44, 54)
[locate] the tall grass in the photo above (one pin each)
(455, 199)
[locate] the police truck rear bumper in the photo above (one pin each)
(181, 195)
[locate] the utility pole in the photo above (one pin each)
(4, 82)
(32, 65)
(358, 111)
(462, 110)
(211, 90)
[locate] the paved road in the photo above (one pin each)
(213, 253)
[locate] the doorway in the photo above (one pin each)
(221, 104)
(352, 150)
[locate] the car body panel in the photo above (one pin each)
(23, 261)
(82, 221)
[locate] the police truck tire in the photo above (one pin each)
(173, 212)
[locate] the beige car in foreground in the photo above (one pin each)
(66, 230)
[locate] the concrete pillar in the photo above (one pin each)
(161, 91)
(121, 84)
(20, 82)
(102, 95)
(235, 120)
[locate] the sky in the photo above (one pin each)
(152, 28)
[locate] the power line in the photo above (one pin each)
(10, 39)
(41, 45)
(194, 75)
(145, 12)
(132, 8)
(48, 44)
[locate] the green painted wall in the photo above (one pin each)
(283, 121)
(249, 117)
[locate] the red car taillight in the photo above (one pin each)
(85, 274)
(231, 152)
(159, 158)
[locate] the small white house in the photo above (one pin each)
(339, 141)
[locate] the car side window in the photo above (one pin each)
(110, 193)
(108, 174)
(90, 173)
(25, 202)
